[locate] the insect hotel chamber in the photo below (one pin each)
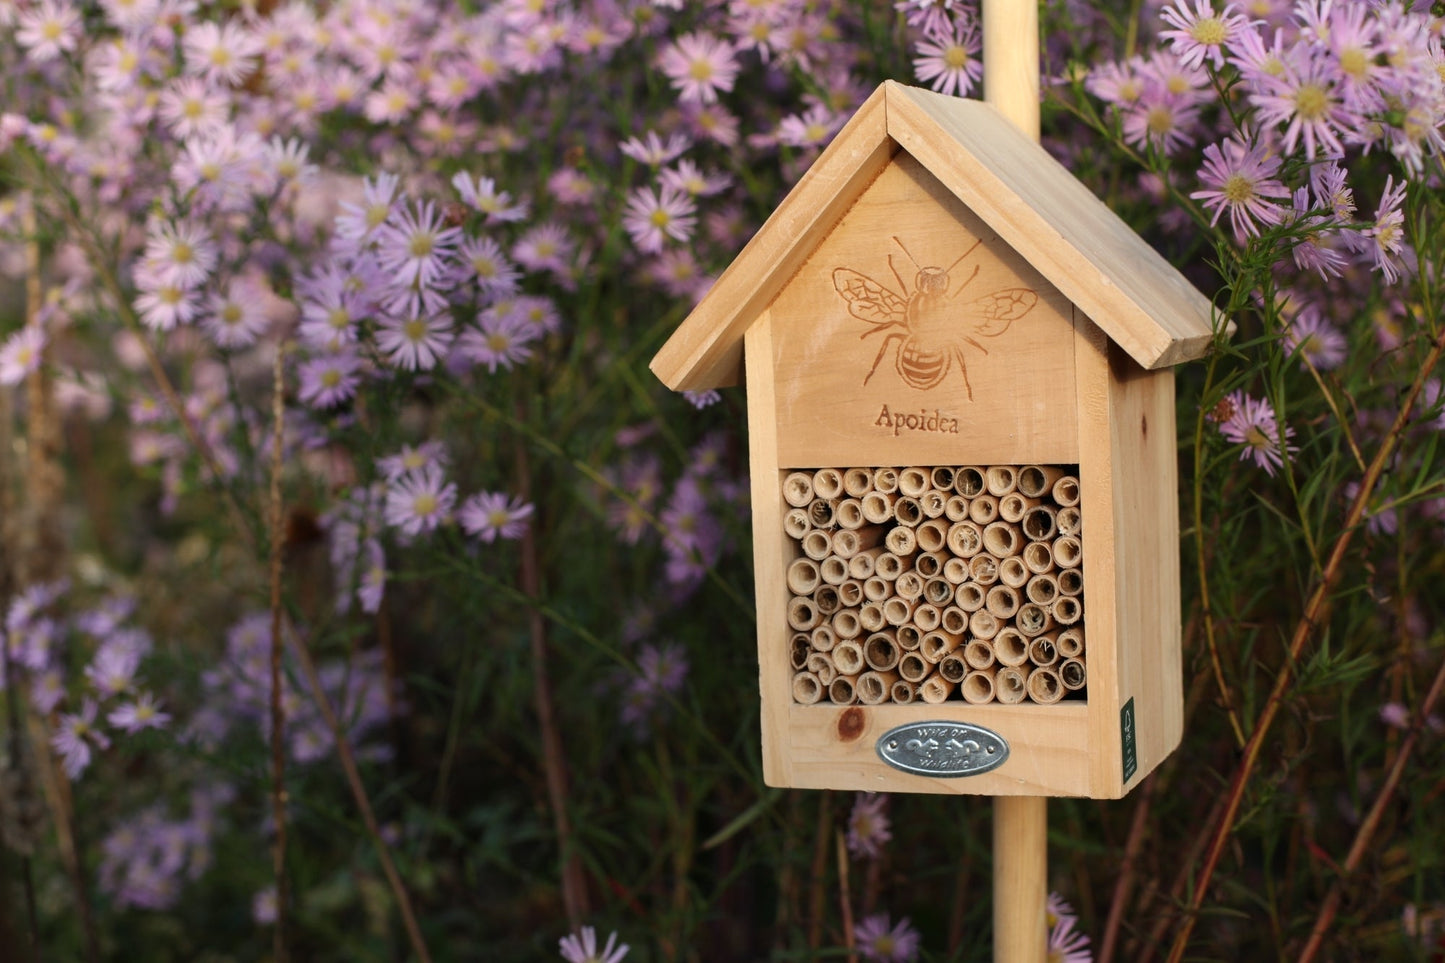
(962, 452)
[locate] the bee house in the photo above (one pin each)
(963, 461)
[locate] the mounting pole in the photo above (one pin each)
(1020, 823)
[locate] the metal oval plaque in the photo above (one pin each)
(942, 749)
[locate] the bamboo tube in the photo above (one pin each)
(825, 597)
(1001, 479)
(857, 482)
(969, 596)
(968, 481)
(870, 616)
(889, 565)
(933, 503)
(846, 625)
(1001, 602)
(821, 665)
(1068, 551)
(983, 508)
(1013, 572)
(821, 513)
(908, 585)
(1042, 651)
(977, 687)
(907, 510)
(798, 489)
(897, 611)
(1010, 647)
(876, 588)
(941, 478)
(799, 648)
(1066, 491)
(881, 651)
(1071, 581)
(848, 657)
(1067, 610)
(823, 638)
(1045, 687)
(850, 513)
(1040, 523)
(885, 480)
(904, 692)
(926, 616)
(1072, 674)
(956, 508)
(935, 645)
(828, 483)
(978, 653)
(817, 545)
(928, 564)
(937, 591)
(1070, 521)
(983, 624)
(796, 523)
(1000, 539)
(913, 667)
(984, 569)
(1035, 481)
(955, 571)
(1011, 684)
(807, 690)
(802, 614)
(802, 576)
(1011, 507)
(878, 507)
(964, 539)
(1071, 642)
(840, 691)
(1033, 619)
(900, 540)
(913, 481)
(953, 620)
(1039, 557)
(952, 667)
(874, 688)
(850, 593)
(932, 535)
(861, 565)
(1042, 589)
(935, 689)
(834, 570)
(909, 638)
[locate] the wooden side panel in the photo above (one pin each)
(706, 350)
(833, 748)
(772, 552)
(914, 335)
(1146, 585)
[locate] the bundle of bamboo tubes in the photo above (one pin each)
(935, 584)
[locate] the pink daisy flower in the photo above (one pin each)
(143, 713)
(495, 274)
(236, 317)
(1383, 242)
(180, 253)
(1202, 34)
(699, 66)
(223, 53)
(877, 940)
(410, 458)
(545, 247)
(869, 829)
(21, 355)
(652, 150)
(414, 342)
(1251, 422)
(329, 380)
(1315, 340)
(949, 62)
(1240, 178)
(482, 194)
(75, 735)
(358, 221)
(1305, 99)
(419, 501)
(415, 246)
(581, 947)
(491, 515)
(651, 217)
(48, 30)
(502, 339)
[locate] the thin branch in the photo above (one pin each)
(278, 709)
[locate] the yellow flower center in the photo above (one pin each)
(421, 244)
(956, 57)
(415, 329)
(338, 318)
(425, 504)
(1311, 101)
(700, 70)
(1208, 31)
(1238, 189)
(498, 342)
(1354, 62)
(330, 378)
(660, 218)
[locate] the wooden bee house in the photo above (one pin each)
(962, 447)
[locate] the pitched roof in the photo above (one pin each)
(1016, 187)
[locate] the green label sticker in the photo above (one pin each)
(1127, 739)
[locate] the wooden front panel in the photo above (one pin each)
(913, 335)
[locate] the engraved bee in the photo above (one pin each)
(924, 325)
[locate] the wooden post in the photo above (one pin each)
(1020, 823)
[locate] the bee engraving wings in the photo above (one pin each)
(867, 299)
(996, 311)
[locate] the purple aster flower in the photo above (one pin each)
(651, 217)
(812, 128)
(74, 736)
(652, 150)
(356, 222)
(48, 30)
(1251, 422)
(143, 713)
(113, 669)
(1305, 100)
(415, 246)
(581, 947)
(416, 342)
(237, 317)
(1384, 240)
(190, 106)
(1202, 34)
(491, 515)
(161, 304)
(929, 17)
(373, 579)
(1240, 178)
(429, 453)
(501, 339)
(21, 355)
(949, 62)
(224, 53)
(545, 247)
(1315, 340)
(329, 380)
(877, 940)
(868, 825)
(687, 178)
(419, 501)
(495, 274)
(702, 399)
(482, 194)
(699, 66)
(1065, 944)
